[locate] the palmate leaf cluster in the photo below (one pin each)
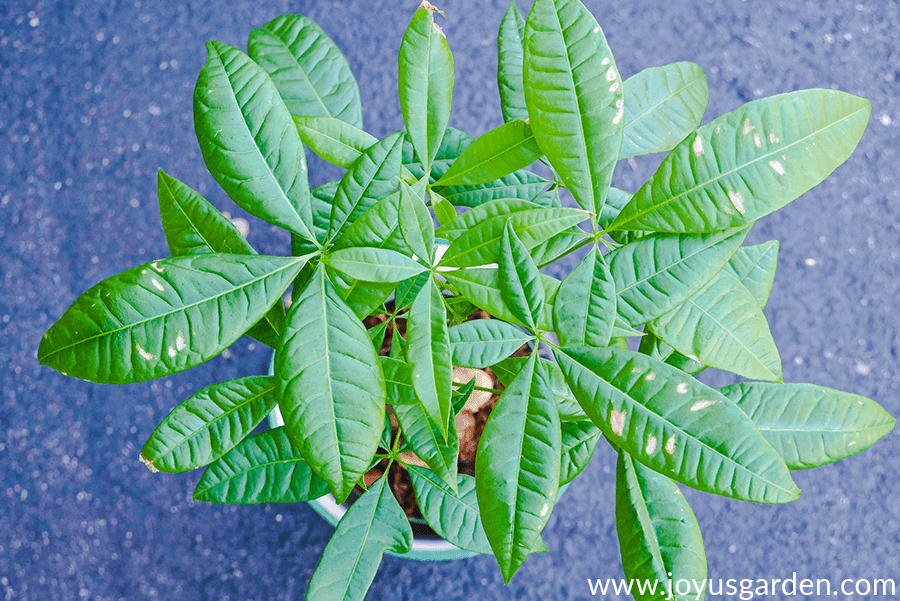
(668, 259)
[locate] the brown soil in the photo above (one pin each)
(472, 425)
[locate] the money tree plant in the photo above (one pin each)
(665, 267)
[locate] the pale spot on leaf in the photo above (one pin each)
(698, 146)
(615, 87)
(670, 445)
(777, 166)
(172, 351)
(545, 509)
(620, 112)
(651, 376)
(737, 201)
(179, 342)
(773, 139)
(757, 141)
(651, 445)
(157, 285)
(682, 388)
(611, 74)
(617, 422)
(694, 357)
(156, 267)
(597, 30)
(747, 127)
(605, 61)
(701, 405)
(149, 464)
(143, 353)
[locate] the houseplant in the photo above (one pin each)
(691, 261)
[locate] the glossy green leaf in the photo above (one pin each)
(559, 245)
(429, 354)
(426, 84)
(615, 202)
(482, 342)
(510, 57)
(454, 142)
(659, 537)
(579, 441)
(522, 184)
(248, 141)
(363, 298)
(378, 227)
(811, 425)
(193, 226)
(164, 317)
(482, 288)
(492, 208)
(497, 153)
(483, 243)
(407, 290)
(374, 176)
(330, 388)
(461, 395)
(520, 280)
(586, 305)
(398, 381)
(416, 223)
(311, 74)
(376, 335)
(749, 162)
(676, 425)
(426, 440)
(334, 140)
(722, 326)
(374, 264)
(517, 472)
(662, 106)
(657, 273)
(444, 212)
(375, 523)
(264, 468)
(754, 267)
(453, 515)
(208, 424)
(569, 409)
(574, 96)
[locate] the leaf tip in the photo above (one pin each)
(150, 465)
(432, 9)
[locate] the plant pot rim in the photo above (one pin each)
(423, 549)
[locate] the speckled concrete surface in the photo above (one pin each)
(95, 96)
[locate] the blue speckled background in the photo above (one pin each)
(95, 96)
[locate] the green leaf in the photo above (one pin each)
(574, 96)
(754, 267)
(657, 273)
(722, 326)
(452, 514)
(378, 227)
(443, 210)
(416, 223)
(426, 84)
(426, 440)
(676, 425)
(520, 280)
(517, 472)
(249, 145)
(330, 387)
(337, 142)
(163, 317)
(193, 226)
(208, 424)
(586, 305)
(569, 409)
(376, 334)
(398, 381)
(363, 298)
(429, 354)
(483, 342)
(510, 57)
(522, 184)
(492, 208)
(264, 468)
(811, 425)
(374, 176)
(579, 440)
(461, 395)
(483, 243)
(749, 162)
(662, 106)
(559, 245)
(374, 264)
(482, 288)
(453, 144)
(373, 524)
(407, 290)
(659, 536)
(311, 74)
(499, 152)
